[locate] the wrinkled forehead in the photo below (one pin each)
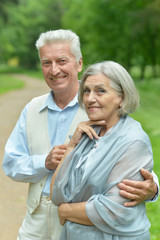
(57, 50)
(97, 80)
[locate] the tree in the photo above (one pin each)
(147, 31)
(124, 31)
(25, 22)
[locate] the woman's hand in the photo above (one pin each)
(61, 211)
(85, 127)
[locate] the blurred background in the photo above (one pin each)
(126, 31)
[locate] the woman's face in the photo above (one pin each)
(101, 101)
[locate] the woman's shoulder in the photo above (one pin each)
(132, 130)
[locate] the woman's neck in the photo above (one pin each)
(107, 127)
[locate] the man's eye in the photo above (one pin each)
(45, 63)
(62, 61)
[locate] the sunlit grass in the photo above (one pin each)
(8, 83)
(35, 74)
(148, 115)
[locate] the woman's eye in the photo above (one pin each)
(86, 90)
(101, 90)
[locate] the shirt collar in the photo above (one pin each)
(50, 103)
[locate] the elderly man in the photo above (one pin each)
(39, 139)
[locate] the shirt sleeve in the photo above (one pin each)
(17, 162)
(156, 180)
(104, 208)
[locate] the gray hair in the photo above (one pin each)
(61, 35)
(120, 81)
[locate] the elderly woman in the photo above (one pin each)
(103, 151)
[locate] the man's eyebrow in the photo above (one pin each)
(63, 57)
(44, 59)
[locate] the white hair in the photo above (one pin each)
(120, 81)
(61, 35)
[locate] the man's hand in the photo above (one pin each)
(55, 156)
(138, 191)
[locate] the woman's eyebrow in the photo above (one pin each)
(96, 86)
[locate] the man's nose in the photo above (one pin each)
(54, 70)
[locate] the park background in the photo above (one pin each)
(126, 31)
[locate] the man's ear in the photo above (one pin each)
(80, 65)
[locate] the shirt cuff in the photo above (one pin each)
(156, 180)
(39, 163)
(154, 198)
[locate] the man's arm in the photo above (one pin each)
(17, 162)
(139, 191)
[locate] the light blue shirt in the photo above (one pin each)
(17, 162)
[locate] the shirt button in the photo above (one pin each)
(48, 198)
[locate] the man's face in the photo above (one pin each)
(59, 67)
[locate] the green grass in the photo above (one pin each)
(148, 114)
(36, 74)
(5, 69)
(8, 83)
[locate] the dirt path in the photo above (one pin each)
(13, 195)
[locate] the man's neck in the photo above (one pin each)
(62, 99)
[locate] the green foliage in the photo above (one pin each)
(25, 23)
(124, 31)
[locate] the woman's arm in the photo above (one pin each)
(83, 213)
(74, 212)
(111, 204)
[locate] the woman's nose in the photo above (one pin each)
(91, 97)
